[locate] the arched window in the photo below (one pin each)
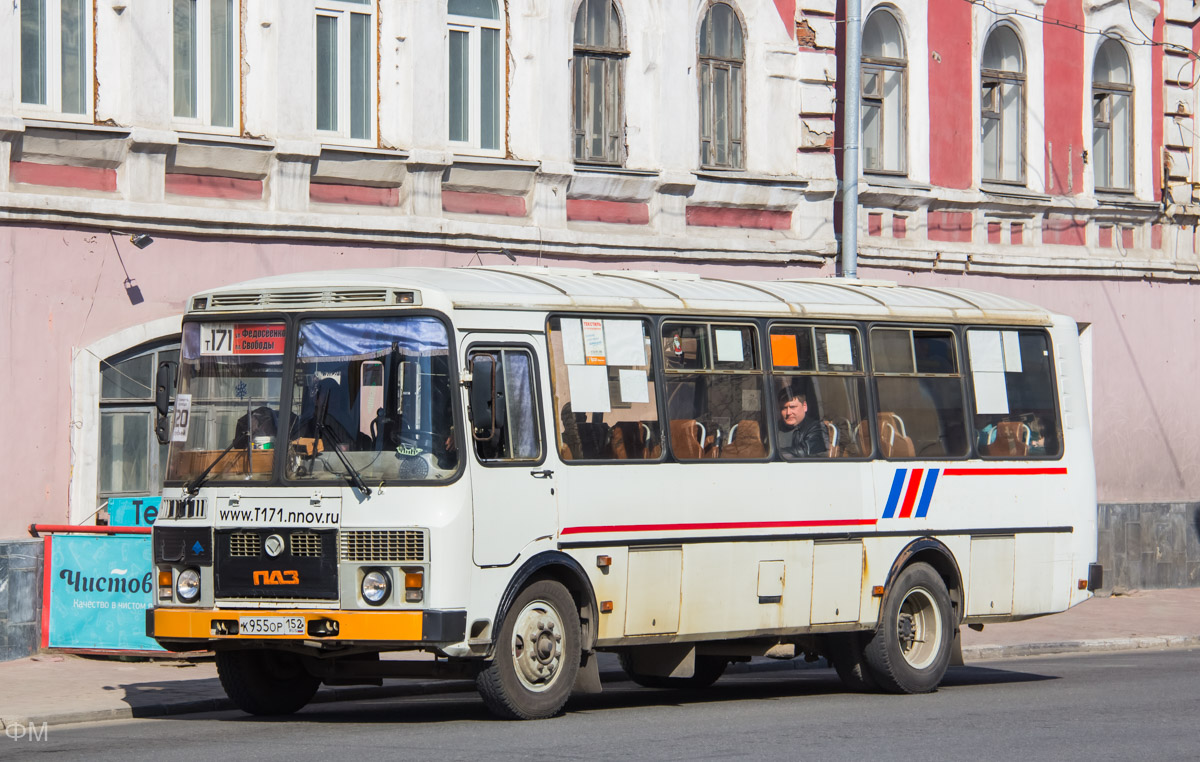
(131, 462)
(1002, 107)
(1112, 118)
(884, 67)
(722, 57)
(598, 68)
(476, 41)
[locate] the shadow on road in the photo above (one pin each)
(465, 705)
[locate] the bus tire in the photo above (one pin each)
(537, 655)
(708, 670)
(847, 653)
(266, 682)
(911, 646)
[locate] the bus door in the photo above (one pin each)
(512, 484)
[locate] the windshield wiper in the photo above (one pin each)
(320, 408)
(193, 486)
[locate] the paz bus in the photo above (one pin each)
(512, 469)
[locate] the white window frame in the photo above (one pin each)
(341, 12)
(52, 109)
(203, 119)
(472, 27)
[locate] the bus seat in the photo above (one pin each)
(626, 440)
(745, 441)
(687, 438)
(862, 435)
(593, 440)
(1012, 439)
(835, 450)
(892, 439)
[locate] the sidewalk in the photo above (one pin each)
(59, 688)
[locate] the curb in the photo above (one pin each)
(426, 687)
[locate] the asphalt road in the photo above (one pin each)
(1125, 706)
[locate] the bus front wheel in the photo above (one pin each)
(537, 655)
(266, 682)
(910, 650)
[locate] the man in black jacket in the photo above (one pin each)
(799, 435)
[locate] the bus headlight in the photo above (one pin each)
(376, 587)
(187, 585)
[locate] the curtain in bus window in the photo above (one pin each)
(356, 337)
(521, 409)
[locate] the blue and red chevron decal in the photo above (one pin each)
(914, 478)
(919, 482)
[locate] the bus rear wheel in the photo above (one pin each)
(537, 655)
(266, 682)
(708, 670)
(910, 650)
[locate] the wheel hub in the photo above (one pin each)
(537, 645)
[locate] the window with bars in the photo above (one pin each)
(345, 68)
(884, 85)
(56, 56)
(597, 89)
(205, 61)
(1112, 118)
(131, 462)
(1002, 107)
(475, 73)
(722, 101)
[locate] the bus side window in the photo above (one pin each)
(605, 401)
(1014, 398)
(512, 434)
(922, 413)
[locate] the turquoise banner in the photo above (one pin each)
(133, 511)
(98, 591)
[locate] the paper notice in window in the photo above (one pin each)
(987, 353)
(589, 388)
(1012, 351)
(784, 353)
(837, 349)
(625, 342)
(729, 346)
(572, 341)
(183, 414)
(593, 342)
(633, 386)
(991, 394)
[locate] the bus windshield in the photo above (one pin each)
(377, 390)
(227, 405)
(370, 401)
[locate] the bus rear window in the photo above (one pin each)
(1013, 381)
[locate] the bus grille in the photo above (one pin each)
(245, 545)
(306, 544)
(383, 545)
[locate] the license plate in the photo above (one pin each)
(271, 625)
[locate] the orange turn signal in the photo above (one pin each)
(603, 561)
(1083, 584)
(414, 580)
(606, 607)
(164, 578)
(877, 591)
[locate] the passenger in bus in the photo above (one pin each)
(800, 436)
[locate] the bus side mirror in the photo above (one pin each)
(164, 385)
(483, 395)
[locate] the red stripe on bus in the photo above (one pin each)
(1004, 471)
(910, 497)
(47, 553)
(725, 525)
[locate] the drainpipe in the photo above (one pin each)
(852, 100)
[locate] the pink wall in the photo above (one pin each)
(1063, 53)
(951, 137)
(63, 290)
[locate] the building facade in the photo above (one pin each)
(151, 148)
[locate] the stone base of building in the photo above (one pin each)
(1149, 545)
(20, 598)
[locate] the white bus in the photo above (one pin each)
(512, 469)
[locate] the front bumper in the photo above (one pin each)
(192, 627)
